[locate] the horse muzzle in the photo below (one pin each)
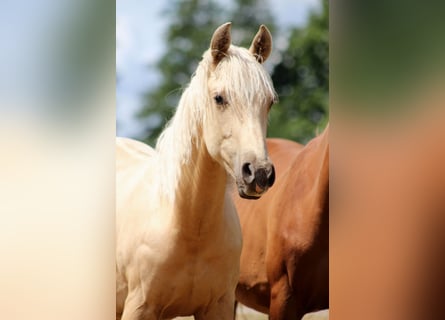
(255, 182)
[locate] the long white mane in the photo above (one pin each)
(246, 81)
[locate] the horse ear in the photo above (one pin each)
(220, 42)
(261, 46)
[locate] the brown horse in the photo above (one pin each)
(284, 260)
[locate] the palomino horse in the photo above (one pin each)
(178, 234)
(284, 260)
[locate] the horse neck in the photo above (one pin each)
(309, 177)
(200, 193)
(312, 163)
(196, 181)
(322, 189)
(324, 160)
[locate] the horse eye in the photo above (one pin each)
(219, 99)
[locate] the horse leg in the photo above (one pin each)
(283, 305)
(223, 309)
(135, 308)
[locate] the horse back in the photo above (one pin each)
(129, 151)
(134, 178)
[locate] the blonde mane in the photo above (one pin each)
(245, 79)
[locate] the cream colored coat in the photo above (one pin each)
(178, 238)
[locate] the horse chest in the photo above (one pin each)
(196, 271)
(206, 260)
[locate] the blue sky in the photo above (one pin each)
(26, 41)
(139, 44)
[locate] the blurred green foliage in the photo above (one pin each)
(381, 67)
(302, 82)
(301, 78)
(186, 40)
(246, 17)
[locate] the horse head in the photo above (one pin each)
(239, 96)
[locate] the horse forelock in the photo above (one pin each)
(245, 82)
(245, 79)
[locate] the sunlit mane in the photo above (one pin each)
(246, 80)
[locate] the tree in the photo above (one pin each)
(247, 16)
(302, 82)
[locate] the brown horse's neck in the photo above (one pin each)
(200, 195)
(317, 163)
(321, 189)
(310, 173)
(323, 182)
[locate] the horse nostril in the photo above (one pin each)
(261, 178)
(271, 178)
(247, 170)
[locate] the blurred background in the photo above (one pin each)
(159, 44)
